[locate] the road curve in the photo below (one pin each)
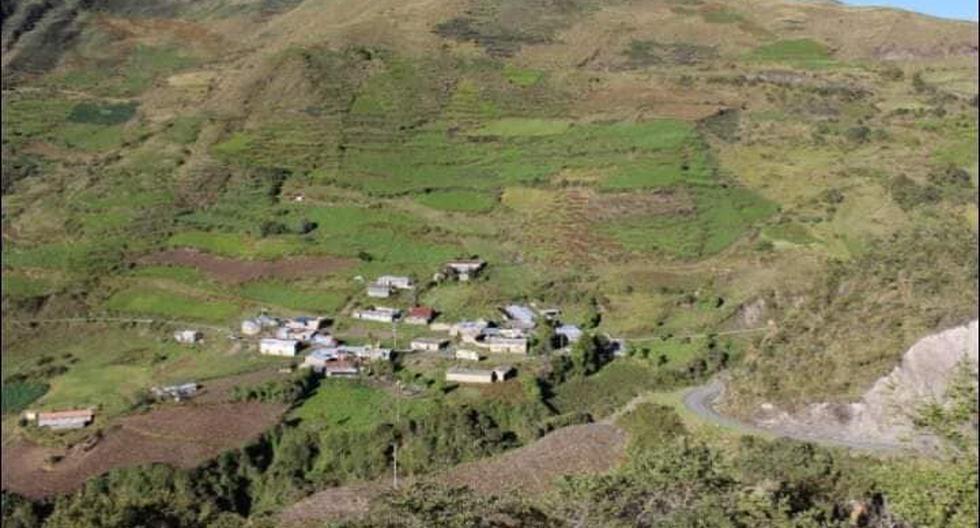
(700, 401)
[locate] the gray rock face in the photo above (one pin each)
(884, 414)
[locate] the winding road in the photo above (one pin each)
(700, 401)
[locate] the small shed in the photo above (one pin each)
(188, 337)
(468, 375)
(429, 344)
(569, 333)
(464, 270)
(251, 327)
(396, 281)
(341, 369)
(420, 315)
(471, 355)
(503, 372)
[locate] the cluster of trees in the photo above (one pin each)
(285, 390)
(681, 483)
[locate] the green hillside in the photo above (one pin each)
(783, 191)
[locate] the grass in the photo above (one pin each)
(792, 232)
(17, 286)
(529, 150)
(184, 130)
(604, 392)
(722, 216)
(239, 245)
(19, 395)
(802, 53)
(295, 296)
(102, 114)
(353, 405)
(522, 76)
(522, 127)
(151, 301)
(458, 201)
(106, 366)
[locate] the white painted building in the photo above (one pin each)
(279, 347)
(378, 314)
(378, 291)
(188, 337)
(396, 281)
(429, 344)
(506, 345)
(470, 355)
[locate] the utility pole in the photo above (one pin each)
(395, 465)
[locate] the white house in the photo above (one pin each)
(323, 339)
(378, 314)
(75, 419)
(506, 345)
(464, 270)
(188, 336)
(318, 358)
(471, 355)
(520, 315)
(396, 281)
(467, 375)
(468, 331)
(429, 344)
(299, 334)
(306, 322)
(569, 333)
(379, 291)
(279, 347)
(251, 327)
(366, 352)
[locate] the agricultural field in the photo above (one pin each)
(782, 193)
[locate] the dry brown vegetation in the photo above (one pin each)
(235, 271)
(181, 435)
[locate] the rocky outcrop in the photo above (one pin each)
(885, 413)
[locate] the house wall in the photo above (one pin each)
(470, 378)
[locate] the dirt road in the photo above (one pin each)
(700, 401)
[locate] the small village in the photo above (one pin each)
(310, 340)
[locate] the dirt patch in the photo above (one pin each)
(574, 450)
(332, 504)
(219, 390)
(612, 206)
(233, 271)
(180, 435)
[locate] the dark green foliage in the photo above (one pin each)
(16, 168)
(18, 395)
(723, 124)
(502, 27)
(288, 390)
(904, 287)
(650, 425)
(102, 114)
(434, 506)
(951, 184)
(154, 495)
(643, 53)
(20, 512)
(955, 421)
